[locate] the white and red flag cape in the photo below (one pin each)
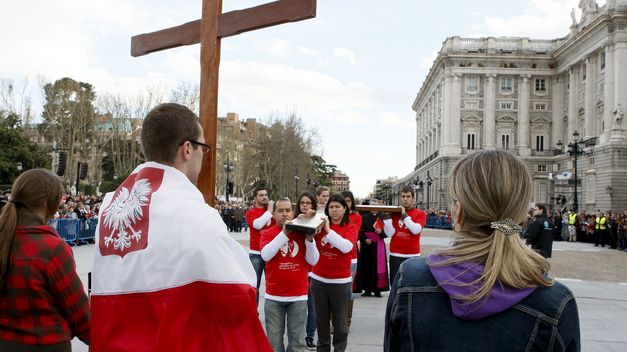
(167, 276)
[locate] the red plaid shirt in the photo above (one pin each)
(43, 302)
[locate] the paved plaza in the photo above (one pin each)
(597, 277)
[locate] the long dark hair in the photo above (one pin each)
(339, 199)
(31, 191)
(349, 194)
(311, 197)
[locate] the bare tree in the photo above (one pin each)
(16, 98)
(188, 94)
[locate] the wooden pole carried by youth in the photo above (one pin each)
(208, 31)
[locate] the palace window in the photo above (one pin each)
(602, 61)
(539, 106)
(505, 141)
(470, 141)
(584, 68)
(507, 85)
(541, 168)
(472, 84)
(540, 143)
(506, 105)
(540, 85)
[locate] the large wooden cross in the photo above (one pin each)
(208, 31)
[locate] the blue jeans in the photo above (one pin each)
(353, 272)
(259, 266)
(276, 313)
(311, 315)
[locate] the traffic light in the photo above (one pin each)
(230, 187)
(62, 163)
(83, 171)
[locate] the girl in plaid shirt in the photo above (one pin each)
(42, 301)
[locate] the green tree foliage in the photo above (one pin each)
(69, 115)
(17, 148)
(322, 171)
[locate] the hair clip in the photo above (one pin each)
(507, 226)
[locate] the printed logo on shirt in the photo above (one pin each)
(289, 248)
(124, 225)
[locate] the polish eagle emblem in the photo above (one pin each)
(123, 212)
(125, 218)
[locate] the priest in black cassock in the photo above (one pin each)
(372, 275)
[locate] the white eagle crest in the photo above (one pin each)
(125, 209)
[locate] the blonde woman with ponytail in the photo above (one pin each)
(487, 291)
(42, 301)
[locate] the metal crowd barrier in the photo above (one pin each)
(439, 222)
(75, 231)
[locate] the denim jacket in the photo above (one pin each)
(419, 317)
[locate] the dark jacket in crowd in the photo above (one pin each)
(540, 236)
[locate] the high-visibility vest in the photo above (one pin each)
(601, 220)
(572, 218)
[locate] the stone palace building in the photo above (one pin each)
(529, 97)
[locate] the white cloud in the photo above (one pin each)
(344, 53)
(392, 120)
(277, 47)
(542, 19)
(307, 51)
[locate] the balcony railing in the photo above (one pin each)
(492, 44)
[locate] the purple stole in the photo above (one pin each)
(382, 276)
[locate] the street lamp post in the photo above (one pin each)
(429, 182)
(574, 150)
(228, 167)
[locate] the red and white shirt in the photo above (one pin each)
(288, 258)
(405, 233)
(334, 265)
(355, 218)
(258, 219)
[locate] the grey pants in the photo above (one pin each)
(331, 303)
(296, 314)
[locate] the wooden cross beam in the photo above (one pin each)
(208, 31)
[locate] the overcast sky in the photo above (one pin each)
(352, 72)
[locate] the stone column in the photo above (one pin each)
(452, 99)
(456, 115)
(558, 106)
(446, 110)
(608, 95)
(523, 116)
(489, 114)
(572, 105)
(589, 104)
(620, 93)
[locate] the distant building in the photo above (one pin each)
(340, 181)
(528, 97)
(384, 189)
(235, 137)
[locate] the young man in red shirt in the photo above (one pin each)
(405, 229)
(288, 257)
(259, 218)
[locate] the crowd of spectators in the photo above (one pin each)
(234, 214)
(598, 227)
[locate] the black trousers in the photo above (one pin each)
(331, 303)
(395, 264)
